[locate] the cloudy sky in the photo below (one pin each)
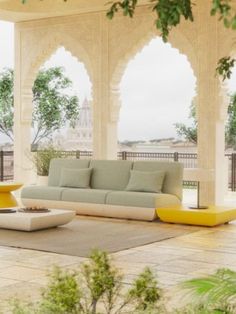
(156, 89)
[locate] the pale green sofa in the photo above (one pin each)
(107, 195)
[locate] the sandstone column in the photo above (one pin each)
(22, 119)
(211, 143)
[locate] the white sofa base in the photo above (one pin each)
(102, 210)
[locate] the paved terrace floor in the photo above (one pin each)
(24, 272)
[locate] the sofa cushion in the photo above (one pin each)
(139, 199)
(84, 196)
(173, 174)
(42, 192)
(75, 178)
(146, 181)
(110, 174)
(58, 163)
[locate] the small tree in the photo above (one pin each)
(96, 288)
(53, 104)
(189, 133)
(6, 103)
(230, 129)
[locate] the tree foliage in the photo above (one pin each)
(230, 129)
(6, 103)
(168, 12)
(53, 104)
(214, 293)
(188, 132)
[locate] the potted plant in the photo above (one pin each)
(42, 160)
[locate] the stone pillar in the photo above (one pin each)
(104, 128)
(112, 138)
(22, 121)
(211, 143)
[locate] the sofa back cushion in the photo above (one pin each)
(57, 164)
(110, 174)
(173, 174)
(75, 178)
(146, 181)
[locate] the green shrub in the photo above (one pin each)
(97, 288)
(42, 159)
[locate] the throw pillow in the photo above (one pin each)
(75, 178)
(142, 181)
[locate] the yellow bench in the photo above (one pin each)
(212, 216)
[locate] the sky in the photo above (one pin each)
(156, 89)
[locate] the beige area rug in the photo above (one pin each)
(83, 234)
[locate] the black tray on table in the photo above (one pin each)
(33, 211)
(7, 210)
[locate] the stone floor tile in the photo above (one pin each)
(221, 258)
(7, 282)
(21, 273)
(180, 266)
(150, 257)
(47, 261)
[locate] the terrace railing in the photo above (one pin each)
(6, 165)
(188, 159)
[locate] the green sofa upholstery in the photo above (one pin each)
(85, 195)
(107, 195)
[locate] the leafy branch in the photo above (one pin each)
(216, 292)
(127, 6)
(225, 66)
(169, 12)
(225, 12)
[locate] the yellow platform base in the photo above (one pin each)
(213, 216)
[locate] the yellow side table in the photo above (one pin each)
(212, 216)
(7, 199)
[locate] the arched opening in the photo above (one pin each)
(157, 91)
(62, 104)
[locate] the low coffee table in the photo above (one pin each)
(35, 221)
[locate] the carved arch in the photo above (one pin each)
(177, 40)
(44, 49)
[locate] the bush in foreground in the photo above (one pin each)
(98, 288)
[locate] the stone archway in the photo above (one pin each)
(48, 47)
(177, 41)
(24, 81)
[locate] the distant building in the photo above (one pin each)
(80, 137)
